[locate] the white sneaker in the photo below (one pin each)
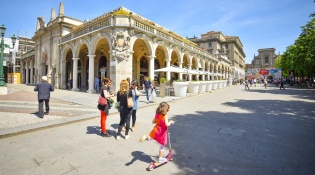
(126, 137)
(143, 138)
(117, 136)
(162, 159)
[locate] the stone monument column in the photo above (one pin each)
(63, 73)
(91, 74)
(168, 74)
(32, 75)
(75, 75)
(27, 73)
(189, 75)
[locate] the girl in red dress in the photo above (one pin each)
(159, 132)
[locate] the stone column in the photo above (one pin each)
(151, 67)
(203, 75)
(180, 74)
(63, 73)
(189, 75)
(91, 74)
(75, 74)
(212, 74)
(32, 74)
(168, 74)
(27, 73)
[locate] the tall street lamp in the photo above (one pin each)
(2, 47)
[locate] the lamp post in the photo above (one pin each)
(2, 47)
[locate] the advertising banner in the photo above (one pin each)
(261, 73)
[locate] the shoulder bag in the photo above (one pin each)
(129, 101)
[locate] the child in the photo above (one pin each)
(159, 132)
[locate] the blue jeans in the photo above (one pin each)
(96, 87)
(147, 93)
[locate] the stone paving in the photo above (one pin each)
(227, 132)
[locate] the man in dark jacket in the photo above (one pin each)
(43, 89)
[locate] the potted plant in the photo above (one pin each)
(209, 86)
(162, 87)
(180, 88)
(202, 86)
(193, 87)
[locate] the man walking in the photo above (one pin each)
(96, 84)
(43, 89)
(281, 84)
(147, 86)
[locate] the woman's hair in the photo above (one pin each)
(124, 86)
(163, 108)
(134, 82)
(105, 80)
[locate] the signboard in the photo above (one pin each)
(259, 73)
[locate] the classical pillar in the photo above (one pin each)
(168, 74)
(27, 73)
(63, 75)
(189, 75)
(91, 74)
(75, 74)
(32, 75)
(212, 74)
(203, 75)
(180, 74)
(151, 67)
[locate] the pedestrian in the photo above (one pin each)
(96, 84)
(104, 110)
(147, 86)
(246, 84)
(159, 132)
(125, 111)
(281, 84)
(43, 90)
(135, 98)
(255, 82)
(128, 79)
(71, 83)
(265, 83)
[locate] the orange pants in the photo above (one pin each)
(103, 121)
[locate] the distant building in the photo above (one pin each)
(224, 47)
(13, 58)
(263, 65)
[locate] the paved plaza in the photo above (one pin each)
(227, 132)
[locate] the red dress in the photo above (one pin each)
(159, 132)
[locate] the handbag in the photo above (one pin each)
(130, 103)
(102, 100)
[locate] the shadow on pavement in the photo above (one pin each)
(271, 137)
(141, 156)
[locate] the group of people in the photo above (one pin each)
(130, 89)
(127, 89)
(249, 82)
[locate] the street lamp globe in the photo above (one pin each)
(2, 29)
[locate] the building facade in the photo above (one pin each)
(263, 65)
(117, 45)
(226, 48)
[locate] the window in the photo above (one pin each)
(266, 60)
(210, 44)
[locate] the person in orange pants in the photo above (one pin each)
(104, 110)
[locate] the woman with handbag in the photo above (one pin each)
(124, 96)
(104, 109)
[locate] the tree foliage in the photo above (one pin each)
(300, 56)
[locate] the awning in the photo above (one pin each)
(171, 69)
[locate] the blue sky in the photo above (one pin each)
(258, 23)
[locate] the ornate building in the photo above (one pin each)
(263, 65)
(226, 48)
(117, 45)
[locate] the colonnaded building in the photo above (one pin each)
(117, 45)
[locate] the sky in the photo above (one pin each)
(258, 23)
